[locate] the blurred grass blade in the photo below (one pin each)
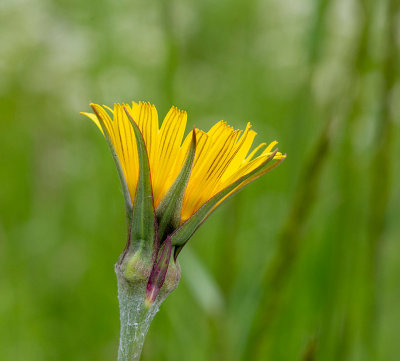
(202, 284)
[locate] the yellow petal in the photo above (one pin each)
(170, 139)
(126, 147)
(93, 117)
(225, 161)
(146, 117)
(222, 154)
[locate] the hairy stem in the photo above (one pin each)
(135, 313)
(135, 318)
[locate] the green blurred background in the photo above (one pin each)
(303, 264)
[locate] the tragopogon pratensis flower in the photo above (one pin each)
(171, 184)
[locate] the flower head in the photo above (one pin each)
(172, 183)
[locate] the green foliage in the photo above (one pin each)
(303, 264)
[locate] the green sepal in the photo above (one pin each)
(158, 272)
(143, 217)
(183, 233)
(124, 185)
(169, 210)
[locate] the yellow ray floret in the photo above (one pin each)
(222, 154)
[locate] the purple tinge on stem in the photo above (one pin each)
(160, 268)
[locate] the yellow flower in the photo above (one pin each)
(222, 155)
(172, 185)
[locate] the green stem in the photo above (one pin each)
(135, 321)
(135, 317)
(133, 273)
